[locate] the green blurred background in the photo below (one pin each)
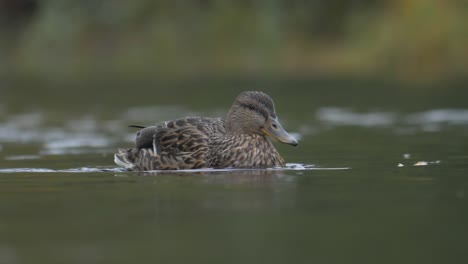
(406, 40)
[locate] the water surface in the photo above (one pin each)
(387, 179)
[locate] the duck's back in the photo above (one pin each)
(180, 135)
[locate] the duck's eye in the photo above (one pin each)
(251, 108)
(274, 126)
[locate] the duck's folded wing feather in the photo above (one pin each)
(181, 140)
(148, 161)
(178, 144)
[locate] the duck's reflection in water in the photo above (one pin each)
(258, 177)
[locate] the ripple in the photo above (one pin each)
(288, 167)
(429, 121)
(72, 170)
(75, 144)
(449, 116)
(22, 170)
(23, 157)
(342, 116)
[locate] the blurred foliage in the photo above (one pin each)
(403, 39)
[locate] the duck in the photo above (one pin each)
(239, 140)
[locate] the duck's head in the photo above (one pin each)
(254, 113)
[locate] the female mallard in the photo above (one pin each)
(237, 141)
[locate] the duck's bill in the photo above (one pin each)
(274, 129)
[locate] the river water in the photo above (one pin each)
(379, 176)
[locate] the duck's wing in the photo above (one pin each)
(177, 144)
(182, 140)
(145, 136)
(163, 133)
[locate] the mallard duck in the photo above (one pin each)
(239, 140)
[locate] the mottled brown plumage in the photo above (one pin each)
(237, 141)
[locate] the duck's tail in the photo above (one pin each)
(124, 158)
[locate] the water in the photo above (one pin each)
(379, 177)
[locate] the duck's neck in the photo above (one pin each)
(236, 124)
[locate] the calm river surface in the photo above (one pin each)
(388, 181)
